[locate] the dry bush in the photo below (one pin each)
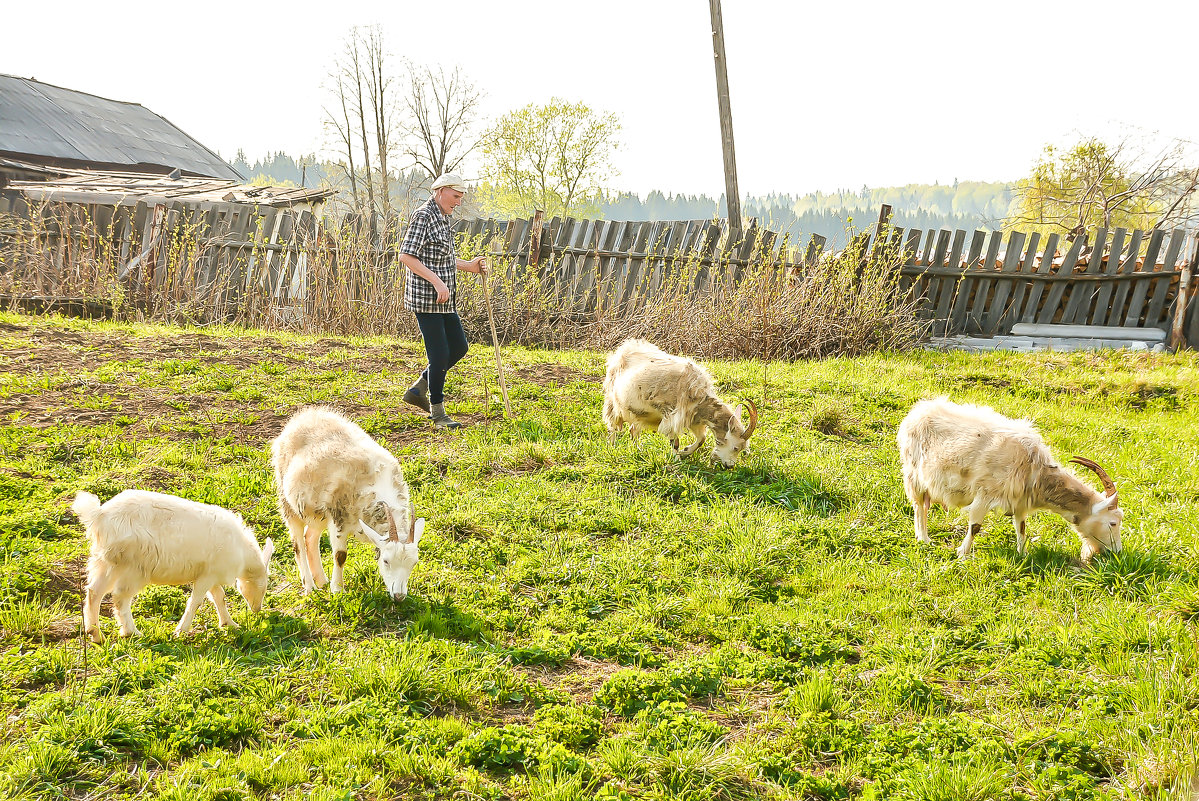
(59, 251)
(846, 304)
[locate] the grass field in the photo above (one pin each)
(591, 620)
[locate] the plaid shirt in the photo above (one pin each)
(430, 239)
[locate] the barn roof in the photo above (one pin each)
(51, 125)
(83, 186)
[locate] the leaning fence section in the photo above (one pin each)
(983, 283)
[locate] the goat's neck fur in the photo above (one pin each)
(1062, 492)
(718, 416)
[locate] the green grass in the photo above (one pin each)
(596, 620)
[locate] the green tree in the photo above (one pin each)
(555, 157)
(1094, 183)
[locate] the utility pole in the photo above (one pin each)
(726, 119)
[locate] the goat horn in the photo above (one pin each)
(753, 418)
(411, 525)
(1109, 486)
(392, 534)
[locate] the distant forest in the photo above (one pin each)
(962, 204)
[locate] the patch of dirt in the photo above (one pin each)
(546, 374)
(579, 677)
(51, 350)
(65, 580)
(147, 411)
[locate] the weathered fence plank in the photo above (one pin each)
(1156, 313)
(1003, 288)
(1140, 291)
(1037, 286)
(1113, 310)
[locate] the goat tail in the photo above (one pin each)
(87, 507)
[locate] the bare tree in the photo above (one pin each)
(427, 116)
(440, 114)
(382, 107)
(363, 117)
(339, 123)
(1094, 183)
(354, 70)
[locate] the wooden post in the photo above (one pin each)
(535, 237)
(1177, 340)
(884, 219)
(499, 365)
(726, 118)
(150, 251)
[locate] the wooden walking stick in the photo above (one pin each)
(499, 365)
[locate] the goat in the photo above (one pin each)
(140, 538)
(645, 386)
(329, 473)
(962, 455)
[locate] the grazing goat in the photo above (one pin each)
(141, 538)
(961, 455)
(645, 387)
(330, 474)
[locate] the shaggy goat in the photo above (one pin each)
(645, 387)
(961, 455)
(331, 474)
(141, 538)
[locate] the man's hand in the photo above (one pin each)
(480, 265)
(443, 291)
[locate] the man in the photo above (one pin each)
(428, 253)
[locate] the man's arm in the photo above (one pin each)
(419, 269)
(476, 265)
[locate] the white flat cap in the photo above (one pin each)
(450, 179)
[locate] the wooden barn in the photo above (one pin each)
(47, 130)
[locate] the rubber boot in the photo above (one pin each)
(418, 394)
(441, 419)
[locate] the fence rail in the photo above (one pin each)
(979, 283)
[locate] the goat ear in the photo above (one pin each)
(1108, 502)
(268, 550)
(376, 539)
(418, 528)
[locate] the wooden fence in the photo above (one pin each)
(249, 261)
(231, 253)
(1114, 277)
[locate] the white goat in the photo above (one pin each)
(330, 474)
(645, 387)
(961, 455)
(140, 538)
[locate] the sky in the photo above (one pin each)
(824, 96)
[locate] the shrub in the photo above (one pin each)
(901, 689)
(1054, 747)
(572, 726)
(798, 644)
(783, 770)
(670, 724)
(161, 600)
(509, 748)
(213, 723)
(627, 692)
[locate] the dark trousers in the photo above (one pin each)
(445, 345)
